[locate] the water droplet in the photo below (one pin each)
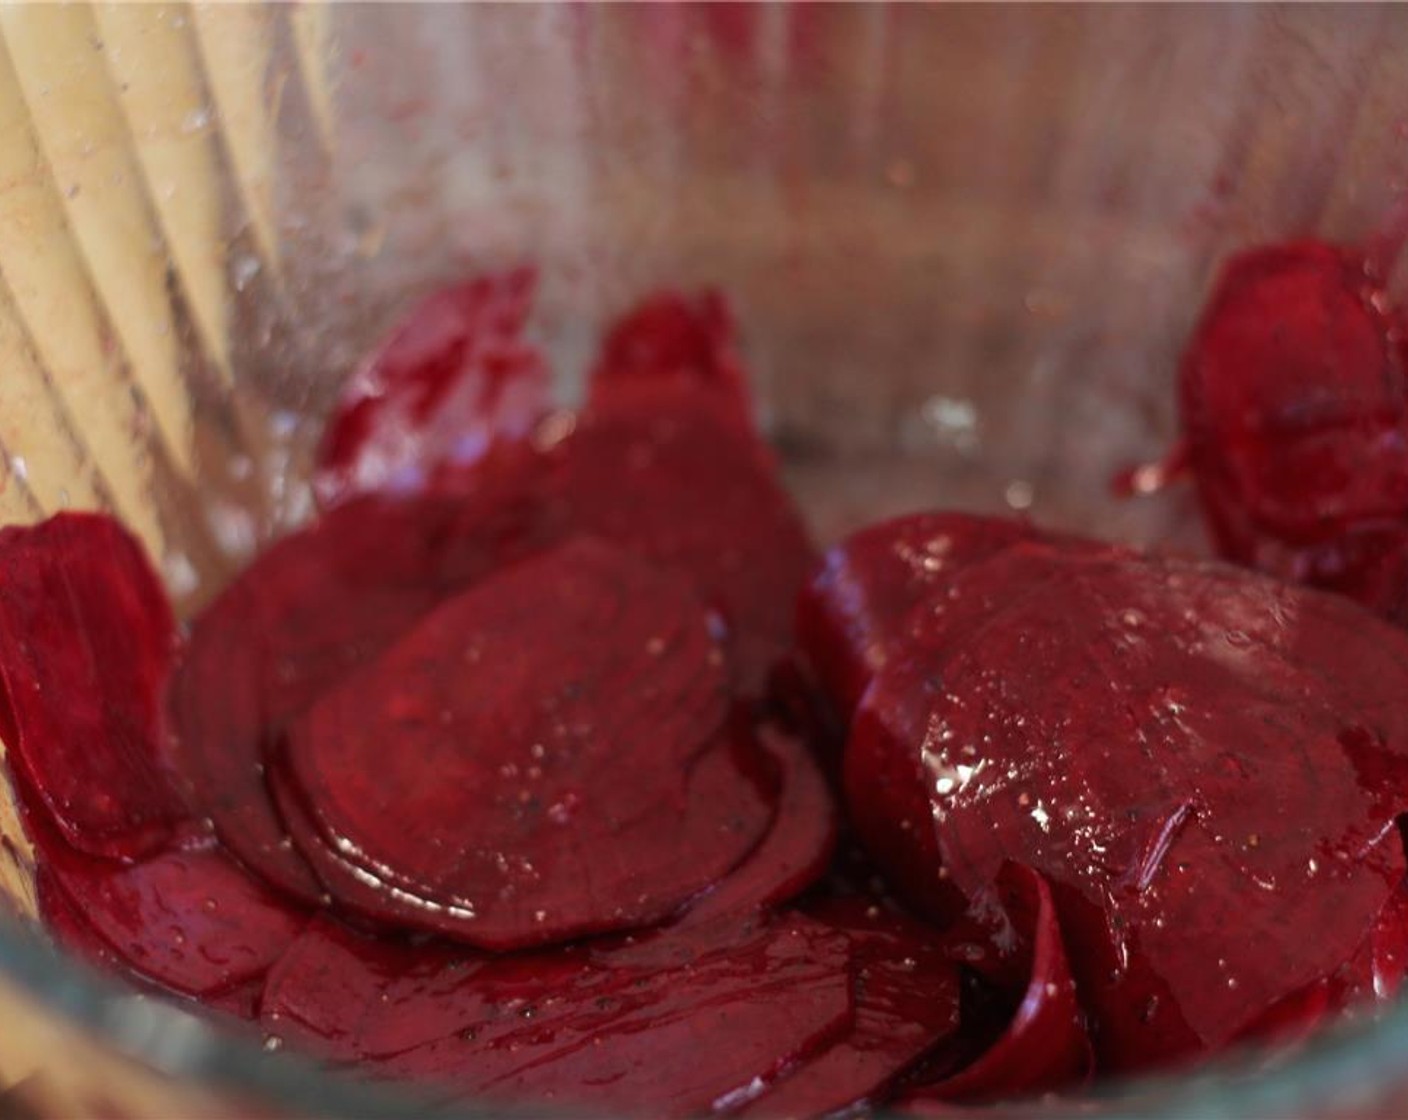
(243, 269)
(554, 428)
(196, 119)
(180, 573)
(1019, 494)
(273, 1042)
(954, 422)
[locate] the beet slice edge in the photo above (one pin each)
(308, 612)
(453, 377)
(565, 1027)
(87, 639)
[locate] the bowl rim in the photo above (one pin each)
(1346, 1069)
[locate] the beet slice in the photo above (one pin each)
(906, 991)
(86, 641)
(1173, 747)
(547, 722)
(678, 484)
(725, 786)
(664, 1027)
(71, 931)
(1294, 406)
(851, 614)
(671, 340)
(1376, 971)
(191, 922)
(453, 376)
(797, 849)
(1045, 1047)
(307, 613)
(67, 927)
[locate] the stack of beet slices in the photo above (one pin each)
(1204, 768)
(484, 779)
(505, 776)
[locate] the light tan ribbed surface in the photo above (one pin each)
(137, 141)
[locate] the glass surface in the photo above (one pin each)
(964, 245)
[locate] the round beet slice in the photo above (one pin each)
(308, 612)
(453, 377)
(798, 847)
(544, 724)
(906, 992)
(1172, 747)
(678, 484)
(86, 641)
(673, 341)
(1295, 410)
(189, 921)
(852, 612)
(728, 791)
(668, 1028)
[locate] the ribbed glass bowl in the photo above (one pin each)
(964, 245)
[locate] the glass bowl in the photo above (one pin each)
(964, 245)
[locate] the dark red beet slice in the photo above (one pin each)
(677, 484)
(191, 922)
(798, 848)
(667, 1027)
(453, 377)
(906, 991)
(1197, 759)
(852, 612)
(308, 612)
(729, 773)
(674, 341)
(1295, 409)
(547, 721)
(71, 931)
(86, 641)
(1045, 1047)
(66, 925)
(1376, 971)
